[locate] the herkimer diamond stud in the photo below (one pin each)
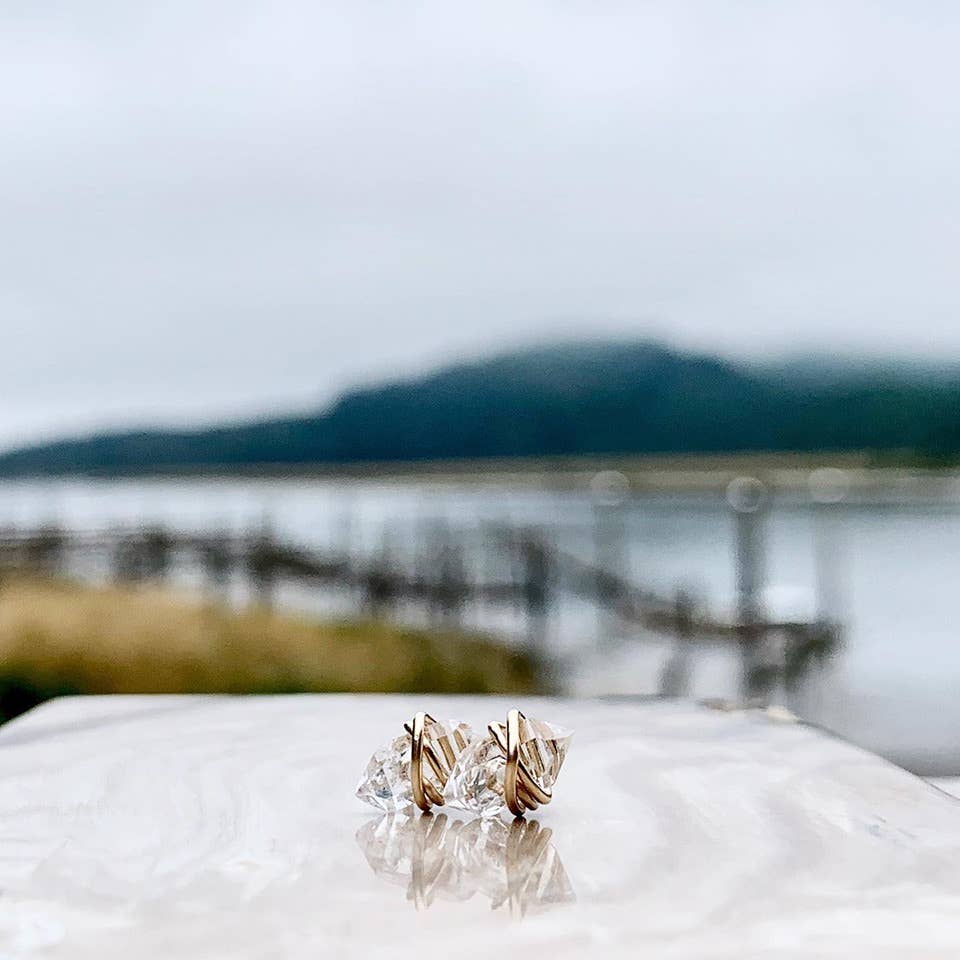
(413, 769)
(514, 766)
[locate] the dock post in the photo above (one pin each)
(610, 490)
(749, 500)
(535, 590)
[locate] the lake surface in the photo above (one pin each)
(888, 571)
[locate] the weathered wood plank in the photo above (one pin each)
(208, 827)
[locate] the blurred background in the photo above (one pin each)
(598, 349)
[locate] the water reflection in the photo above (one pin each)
(514, 865)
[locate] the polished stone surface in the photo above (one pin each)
(143, 827)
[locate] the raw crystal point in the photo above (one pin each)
(385, 783)
(543, 748)
(476, 783)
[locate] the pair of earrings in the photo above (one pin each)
(514, 766)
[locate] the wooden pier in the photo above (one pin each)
(517, 570)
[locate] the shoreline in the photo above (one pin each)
(790, 473)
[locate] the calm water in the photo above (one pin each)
(888, 572)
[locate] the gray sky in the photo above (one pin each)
(213, 207)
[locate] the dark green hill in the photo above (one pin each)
(569, 399)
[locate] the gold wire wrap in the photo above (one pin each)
(425, 794)
(416, 762)
(521, 791)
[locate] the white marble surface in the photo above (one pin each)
(142, 827)
(950, 784)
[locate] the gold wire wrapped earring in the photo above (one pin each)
(515, 766)
(397, 778)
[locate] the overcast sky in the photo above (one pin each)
(213, 207)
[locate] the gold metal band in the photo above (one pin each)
(416, 761)
(512, 769)
(521, 791)
(425, 794)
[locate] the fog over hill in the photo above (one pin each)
(575, 398)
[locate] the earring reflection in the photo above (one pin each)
(514, 865)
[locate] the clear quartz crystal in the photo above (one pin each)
(385, 783)
(476, 783)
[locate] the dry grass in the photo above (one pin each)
(60, 636)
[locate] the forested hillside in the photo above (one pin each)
(570, 399)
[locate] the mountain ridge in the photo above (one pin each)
(562, 399)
